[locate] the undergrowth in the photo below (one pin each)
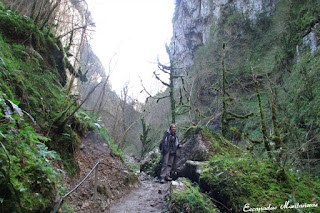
(28, 179)
(32, 96)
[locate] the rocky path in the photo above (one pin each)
(150, 196)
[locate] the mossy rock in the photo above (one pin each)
(220, 145)
(201, 144)
(184, 197)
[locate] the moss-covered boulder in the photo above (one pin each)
(201, 144)
(184, 197)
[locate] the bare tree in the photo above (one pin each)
(170, 70)
(123, 104)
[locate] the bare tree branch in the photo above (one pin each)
(158, 78)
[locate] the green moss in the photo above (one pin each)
(14, 26)
(237, 181)
(83, 123)
(29, 180)
(191, 131)
(21, 29)
(190, 199)
(32, 79)
(219, 145)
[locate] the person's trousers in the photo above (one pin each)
(167, 163)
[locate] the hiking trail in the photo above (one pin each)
(116, 193)
(150, 196)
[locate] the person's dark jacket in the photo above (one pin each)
(166, 146)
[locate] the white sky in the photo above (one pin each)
(136, 31)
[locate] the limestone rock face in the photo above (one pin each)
(193, 20)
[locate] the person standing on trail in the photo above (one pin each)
(168, 147)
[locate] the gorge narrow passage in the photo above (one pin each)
(150, 196)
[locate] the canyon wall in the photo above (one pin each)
(194, 19)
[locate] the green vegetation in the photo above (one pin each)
(152, 164)
(28, 179)
(114, 147)
(234, 177)
(236, 181)
(286, 80)
(270, 67)
(32, 76)
(189, 199)
(218, 144)
(41, 124)
(27, 176)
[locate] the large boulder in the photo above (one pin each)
(192, 170)
(195, 148)
(199, 144)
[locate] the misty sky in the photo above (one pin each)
(135, 33)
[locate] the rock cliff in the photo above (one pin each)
(194, 19)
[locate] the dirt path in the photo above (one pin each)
(116, 194)
(150, 196)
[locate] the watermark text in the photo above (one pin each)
(286, 205)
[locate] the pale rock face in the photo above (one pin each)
(194, 18)
(309, 43)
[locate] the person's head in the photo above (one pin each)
(172, 129)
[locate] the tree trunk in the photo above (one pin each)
(262, 119)
(224, 113)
